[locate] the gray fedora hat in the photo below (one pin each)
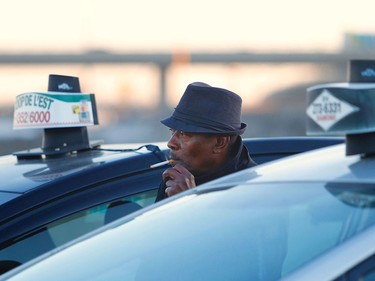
(207, 109)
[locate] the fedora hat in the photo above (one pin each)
(206, 109)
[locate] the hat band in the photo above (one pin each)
(204, 123)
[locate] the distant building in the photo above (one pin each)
(359, 42)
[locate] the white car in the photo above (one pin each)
(315, 223)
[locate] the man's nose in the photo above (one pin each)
(173, 141)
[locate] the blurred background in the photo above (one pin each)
(137, 57)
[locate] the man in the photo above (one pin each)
(205, 143)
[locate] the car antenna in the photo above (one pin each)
(150, 147)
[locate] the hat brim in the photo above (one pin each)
(179, 125)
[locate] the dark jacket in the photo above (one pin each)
(240, 159)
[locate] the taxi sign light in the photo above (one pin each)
(346, 108)
(341, 108)
(54, 110)
(63, 112)
(326, 110)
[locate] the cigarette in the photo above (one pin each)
(170, 161)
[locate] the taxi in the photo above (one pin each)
(72, 185)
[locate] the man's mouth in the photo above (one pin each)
(175, 160)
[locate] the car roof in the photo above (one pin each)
(22, 175)
(328, 164)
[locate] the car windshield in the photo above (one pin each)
(249, 232)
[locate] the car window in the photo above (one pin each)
(70, 227)
(365, 271)
(368, 276)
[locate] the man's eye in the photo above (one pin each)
(180, 133)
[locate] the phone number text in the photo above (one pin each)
(33, 117)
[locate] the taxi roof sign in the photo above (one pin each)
(326, 110)
(63, 112)
(54, 110)
(341, 108)
(346, 108)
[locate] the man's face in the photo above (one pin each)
(193, 151)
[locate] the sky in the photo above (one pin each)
(71, 26)
(168, 25)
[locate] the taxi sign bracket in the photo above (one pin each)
(37, 153)
(360, 144)
(64, 139)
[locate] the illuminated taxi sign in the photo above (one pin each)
(54, 110)
(326, 110)
(341, 108)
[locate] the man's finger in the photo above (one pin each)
(170, 173)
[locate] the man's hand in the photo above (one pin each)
(177, 179)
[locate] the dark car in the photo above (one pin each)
(49, 200)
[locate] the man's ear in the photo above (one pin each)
(222, 142)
